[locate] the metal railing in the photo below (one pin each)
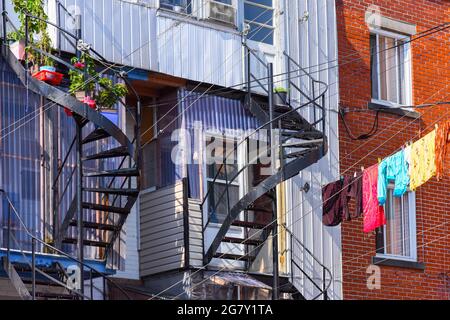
(93, 273)
(258, 132)
(294, 263)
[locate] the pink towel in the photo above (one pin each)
(373, 213)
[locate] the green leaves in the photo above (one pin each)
(37, 29)
(85, 78)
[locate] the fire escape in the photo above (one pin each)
(295, 143)
(93, 194)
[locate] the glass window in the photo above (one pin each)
(221, 173)
(390, 69)
(182, 6)
(259, 15)
(398, 236)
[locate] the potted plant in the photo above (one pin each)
(110, 93)
(83, 87)
(280, 96)
(42, 65)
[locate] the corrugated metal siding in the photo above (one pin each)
(196, 52)
(216, 115)
(311, 44)
(20, 155)
(122, 32)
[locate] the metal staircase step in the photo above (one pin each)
(95, 225)
(112, 153)
(250, 242)
(95, 135)
(247, 224)
(236, 257)
(303, 144)
(127, 172)
(105, 208)
(298, 154)
(56, 296)
(122, 192)
(90, 243)
(306, 135)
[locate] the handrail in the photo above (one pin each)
(60, 169)
(325, 268)
(274, 120)
(60, 252)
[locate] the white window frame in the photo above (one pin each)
(239, 182)
(407, 68)
(412, 231)
(272, 27)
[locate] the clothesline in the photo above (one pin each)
(409, 168)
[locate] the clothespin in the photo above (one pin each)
(362, 168)
(436, 126)
(354, 176)
(379, 160)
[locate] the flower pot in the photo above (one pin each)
(68, 112)
(50, 77)
(86, 99)
(280, 98)
(18, 49)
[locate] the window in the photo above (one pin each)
(259, 15)
(217, 198)
(390, 69)
(397, 238)
(181, 6)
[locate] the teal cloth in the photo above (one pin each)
(394, 168)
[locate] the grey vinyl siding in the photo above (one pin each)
(162, 231)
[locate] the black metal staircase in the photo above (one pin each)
(88, 218)
(295, 142)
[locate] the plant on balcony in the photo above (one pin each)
(280, 96)
(38, 36)
(83, 84)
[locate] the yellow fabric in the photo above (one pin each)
(423, 166)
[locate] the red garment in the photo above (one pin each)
(373, 213)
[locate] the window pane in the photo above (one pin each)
(397, 231)
(373, 65)
(267, 3)
(401, 72)
(258, 14)
(382, 67)
(218, 200)
(391, 71)
(261, 34)
(177, 5)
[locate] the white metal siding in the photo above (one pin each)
(195, 51)
(122, 32)
(314, 43)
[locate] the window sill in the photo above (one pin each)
(401, 112)
(190, 18)
(392, 262)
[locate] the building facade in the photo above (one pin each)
(394, 55)
(221, 65)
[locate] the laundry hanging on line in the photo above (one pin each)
(337, 197)
(411, 167)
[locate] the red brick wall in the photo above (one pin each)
(431, 82)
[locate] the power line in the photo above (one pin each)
(311, 211)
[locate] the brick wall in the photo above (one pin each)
(431, 82)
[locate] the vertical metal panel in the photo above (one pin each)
(20, 152)
(198, 52)
(122, 32)
(216, 115)
(314, 43)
